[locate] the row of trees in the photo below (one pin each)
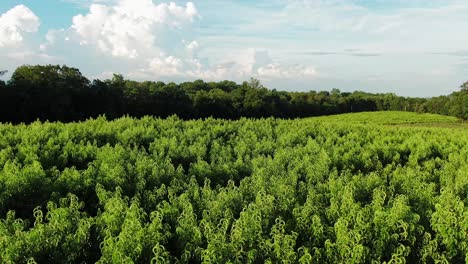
(61, 93)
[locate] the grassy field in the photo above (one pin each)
(391, 118)
(382, 187)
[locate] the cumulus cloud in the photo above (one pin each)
(247, 63)
(275, 70)
(19, 28)
(166, 66)
(132, 28)
(15, 23)
(148, 41)
(258, 63)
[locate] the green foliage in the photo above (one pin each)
(464, 86)
(390, 118)
(61, 93)
(341, 189)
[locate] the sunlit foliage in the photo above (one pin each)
(326, 190)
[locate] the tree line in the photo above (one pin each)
(62, 93)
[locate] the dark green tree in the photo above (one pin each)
(50, 92)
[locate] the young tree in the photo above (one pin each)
(335, 91)
(255, 83)
(464, 87)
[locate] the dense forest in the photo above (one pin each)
(61, 93)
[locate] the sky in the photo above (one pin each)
(408, 47)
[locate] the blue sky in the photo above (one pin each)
(412, 48)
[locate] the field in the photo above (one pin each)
(385, 187)
(391, 118)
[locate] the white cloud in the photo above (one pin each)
(148, 41)
(166, 66)
(248, 63)
(275, 70)
(103, 75)
(192, 47)
(14, 23)
(19, 42)
(132, 28)
(258, 63)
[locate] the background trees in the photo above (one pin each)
(46, 92)
(54, 92)
(455, 104)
